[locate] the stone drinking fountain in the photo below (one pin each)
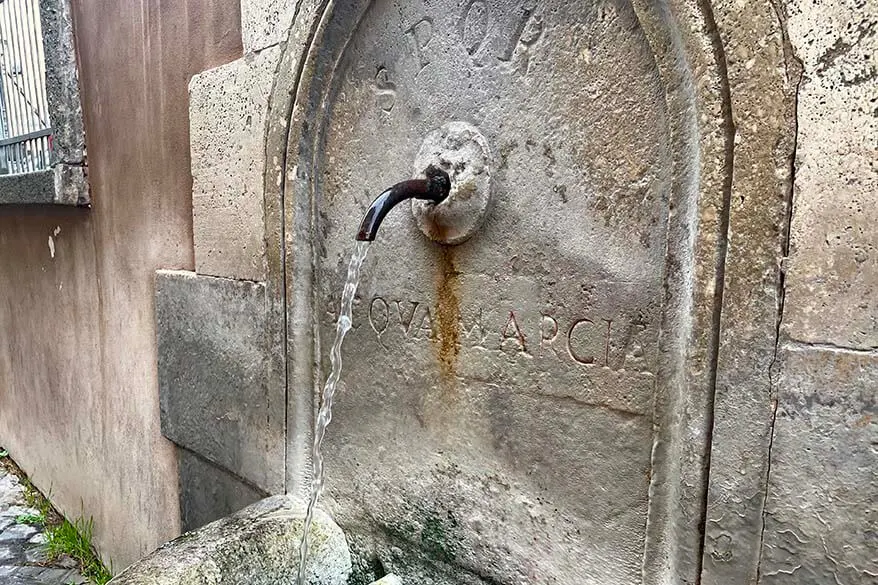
(527, 378)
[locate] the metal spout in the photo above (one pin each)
(434, 188)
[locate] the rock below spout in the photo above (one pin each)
(388, 580)
(258, 545)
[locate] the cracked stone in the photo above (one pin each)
(17, 532)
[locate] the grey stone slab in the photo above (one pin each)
(69, 159)
(508, 411)
(208, 493)
(257, 546)
(62, 81)
(762, 81)
(216, 395)
(265, 23)
(38, 187)
(56, 576)
(35, 554)
(16, 511)
(17, 532)
(821, 512)
(8, 554)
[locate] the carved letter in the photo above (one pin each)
(513, 332)
(418, 37)
(386, 317)
(385, 90)
(523, 34)
(473, 26)
(476, 334)
(426, 325)
(609, 323)
(405, 322)
(548, 332)
(573, 354)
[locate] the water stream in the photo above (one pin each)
(324, 415)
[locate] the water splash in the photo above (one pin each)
(324, 415)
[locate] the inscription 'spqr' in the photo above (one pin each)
(482, 33)
(477, 24)
(418, 36)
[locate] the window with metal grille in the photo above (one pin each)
(25, 130)
(42, 138)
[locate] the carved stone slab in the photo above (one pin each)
(531, 404)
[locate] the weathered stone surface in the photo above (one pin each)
(18, 532)
(524, 418)
(388, 580)
(208, 492)
(71, 185)
(822, 505)
(762, 79)
(217, 396)
(832, 283)
(228, 106)
(257, 546)
(38, 187)
(265, 23)
(65, 106)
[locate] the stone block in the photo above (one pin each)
(62, 82)
(71, 185)
(265, 23)
(388, 580)
(832, 278)
(533, 404)
(217, 393)
(208, 492)
(821, 511)
(257, 546)
(227, 112)
(38, 187)
(762, 80)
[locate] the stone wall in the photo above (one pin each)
(767, 326)
(79, 408)
(655, 361)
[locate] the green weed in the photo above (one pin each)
(33, 519)
(74, 540)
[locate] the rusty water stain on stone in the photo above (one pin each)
(447, 314)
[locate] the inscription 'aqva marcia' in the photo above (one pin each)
(590, 341)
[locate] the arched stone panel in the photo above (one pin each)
(534, 404)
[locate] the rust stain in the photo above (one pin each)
(863, 421)
(447, 312)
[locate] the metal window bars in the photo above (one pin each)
(25, 129)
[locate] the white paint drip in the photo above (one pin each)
(54, 235)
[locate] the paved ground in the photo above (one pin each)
(22, 557)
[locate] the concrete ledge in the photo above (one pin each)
(257, 546)
(38, 187)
